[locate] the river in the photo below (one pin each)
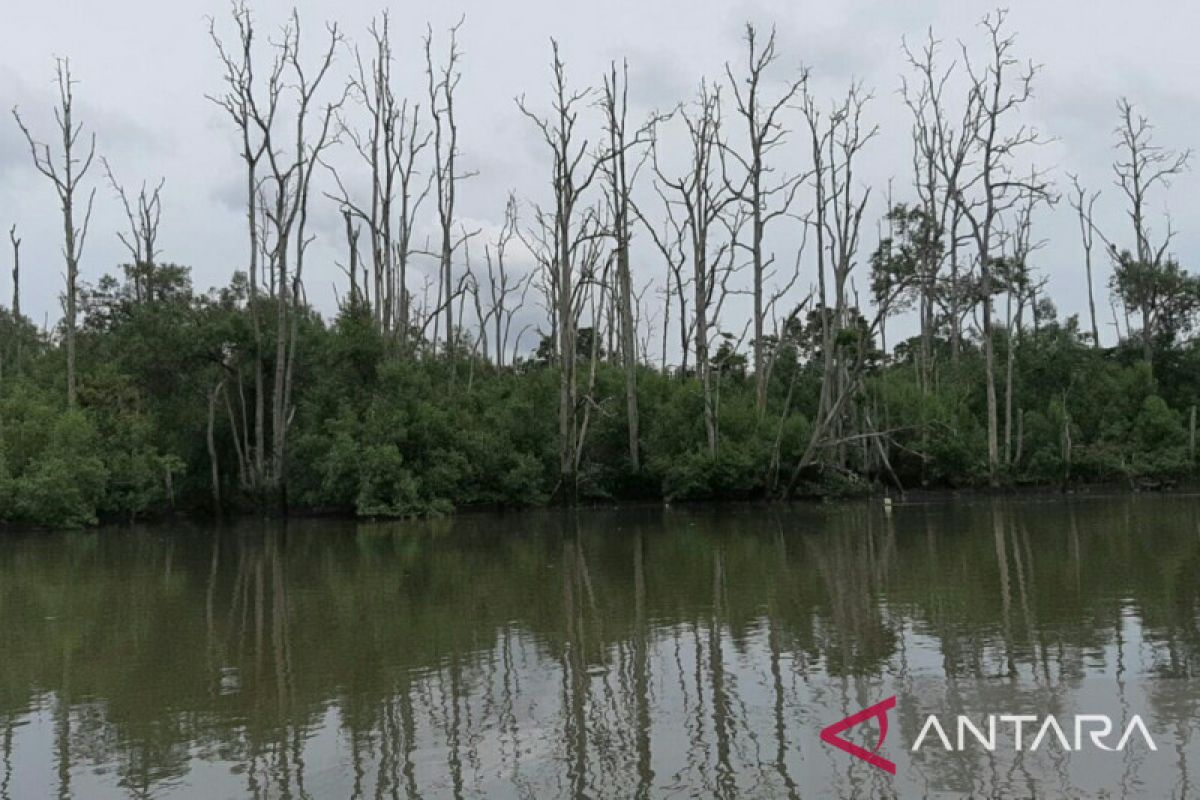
(644, 652)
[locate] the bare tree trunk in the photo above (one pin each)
(702, 202)
(1066, 441)
(240, 103)
(955, 301)
(765, 133)
(442, 84)
(389, 147)
(352, 234)
(836, 142)
(16, 272)
(66, 176)
(286, 208)
(1010, 365)
(1147, 165)
(990, 104)
(210, 440)
(1016, 462)
(616, 92)
(570, 178)
(1192, 435)
(143, 216)
(939, 157)
(16, 293)
(1083, 204)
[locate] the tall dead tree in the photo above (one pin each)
(700, 197)
(242, 103)
(352, 233)
(143, 215)
(765, 197)
(274, 121)
(939, 155)
(443, 83)
(572, 172)
(998, 89)
(389, 146)
(15, 241)
(619, 185)
(669, 242)
(1021, 286)
(66, 169)
(504, 288)
(291, 167)
(837, 139)
(1083, 202)
(1141, 166)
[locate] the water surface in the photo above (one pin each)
(613, 653)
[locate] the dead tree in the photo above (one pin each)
(290, 183)
(572, 172)
(592, 291)
(1083, 202)
(939, 155)
(352, 233)
(992, 189)
(211, 444)
(241, 102)
(16, 294)
(539, 239)
(16, 272)
(66, 170)
(619, 183)
(143, 215)
(765, 197)
(443, 82)
(699, 198)
(389, 147)
(837, 139)
(1142, 166)
(1019, 283)
(278, 140)
(502, 285)
(669, 242)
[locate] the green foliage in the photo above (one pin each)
(1159, 439)
(380, 431)
(1160, 291)
(53, 473)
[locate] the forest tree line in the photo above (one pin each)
(429, 389)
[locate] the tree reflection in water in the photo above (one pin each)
(618, 653)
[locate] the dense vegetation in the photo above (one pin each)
(245, 398)
(380, 433)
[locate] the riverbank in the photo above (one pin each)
(376, 432)
(923, 495)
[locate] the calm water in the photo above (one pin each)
(641, 653)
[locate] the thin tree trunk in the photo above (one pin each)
(66, 178)
(1192, 435)
(210, 440)
(619, 189)
(16, 294)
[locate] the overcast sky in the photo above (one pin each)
(144, 67)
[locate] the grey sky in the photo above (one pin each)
(144, 67)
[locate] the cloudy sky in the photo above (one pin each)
(145, 66)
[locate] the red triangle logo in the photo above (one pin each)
(832, 734)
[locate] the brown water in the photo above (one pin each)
(614, 653)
